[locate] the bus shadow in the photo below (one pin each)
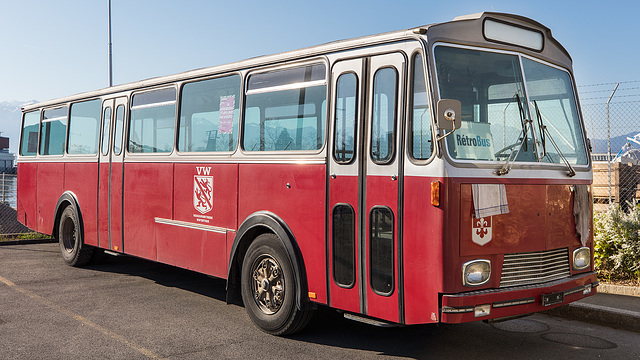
(329, 328)
(530, 337)
(165, 275)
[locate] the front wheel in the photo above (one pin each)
(269, 288)
(74, 251)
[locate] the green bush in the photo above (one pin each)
(24, 236)
(617, 243)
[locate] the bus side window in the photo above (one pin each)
(119, 128)
(381, 251)
(53, 130)
(153, 119)
(30, 131)
(209, 115)
(84, 127)
(285, 110)
(346, 109)
(343, 245)
(106, 126)
(421, 138)
(384, 115)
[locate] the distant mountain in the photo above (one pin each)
(10, 122)
(600, 145)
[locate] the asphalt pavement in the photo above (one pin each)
(611, 306)
(130, 308)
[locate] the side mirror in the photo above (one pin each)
(449, 114)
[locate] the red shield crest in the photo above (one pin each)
(203, 193)
(481, 230)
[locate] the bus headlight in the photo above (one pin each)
(581, 258)
(476, 272)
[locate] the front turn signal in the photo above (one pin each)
(435, 193)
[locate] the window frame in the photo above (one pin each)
(35, 154)
(246, 92)
(128, 119)
(98, 126)
(483, 164)
(125, 136)
(240, 102)
(43, 121)
(579, 131)
(353, 254)
(392, 247)
(357, 116)
(106, 122)
(396, 108)
(410, 103)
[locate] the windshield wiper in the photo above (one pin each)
(543, 138)
(523, 120)
(520, 143)
(544, 131)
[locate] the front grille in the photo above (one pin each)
(534, 267)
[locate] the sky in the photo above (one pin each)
(51, 49)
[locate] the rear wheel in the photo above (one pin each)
(269, 288)
(74, 251)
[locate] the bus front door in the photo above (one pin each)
(364, 177)
(111, 175)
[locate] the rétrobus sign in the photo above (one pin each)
(474, 141)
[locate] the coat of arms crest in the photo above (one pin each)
(481, 230)
(203, 191)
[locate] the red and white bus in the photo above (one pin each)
(431, 175)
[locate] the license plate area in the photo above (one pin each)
(552, 299)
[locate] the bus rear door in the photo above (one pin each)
(111, 175)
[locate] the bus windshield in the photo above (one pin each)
(508, 101)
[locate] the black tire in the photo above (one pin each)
(269, 288)
(74, 251)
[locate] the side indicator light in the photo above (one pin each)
(312, 295)
(435, 193)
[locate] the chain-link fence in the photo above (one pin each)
(9, 189)
(613, 127)
(9, 225)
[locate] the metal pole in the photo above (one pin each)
(593, 136)
(609, 141)
(110, 54)
(3, 188)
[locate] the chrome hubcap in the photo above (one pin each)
(268, 284)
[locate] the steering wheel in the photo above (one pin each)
(501, 154)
